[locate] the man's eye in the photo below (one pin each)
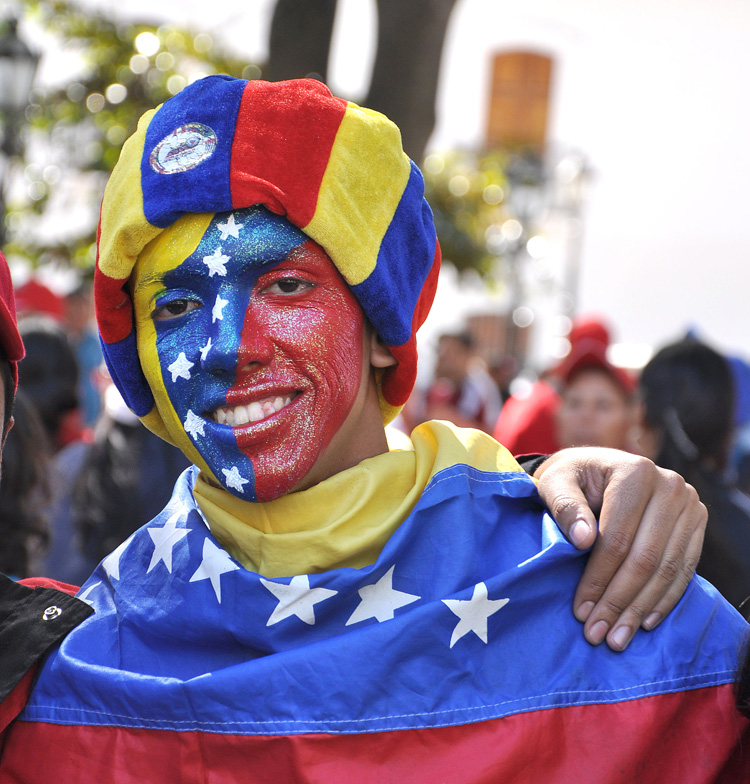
(288, 286)
(177, 307)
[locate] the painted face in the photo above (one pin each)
(254, 348)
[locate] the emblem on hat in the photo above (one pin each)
(183, 149)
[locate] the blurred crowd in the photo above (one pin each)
(81, 473)
(688, 410)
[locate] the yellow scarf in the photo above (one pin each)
(345, 520)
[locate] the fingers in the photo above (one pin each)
(658, 549)
(560, 489)
(650, 535)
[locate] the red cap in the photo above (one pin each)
(10, 339)
(35, 297)
(588, 353)
(589, 327)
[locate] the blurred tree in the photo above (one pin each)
(77, 127)
(407, 61)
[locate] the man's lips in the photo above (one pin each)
(249, 413)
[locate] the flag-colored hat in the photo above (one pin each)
(333, 169)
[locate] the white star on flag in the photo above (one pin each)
(165, 537)
(296, 598)
(216, 263)
(194, 425)
(380, 599)
(205, 350)
(473, 613)
(219, 305)
(215, 563)
(84, 597)
(233, 479)
(180, 368)
(111, 563)
(230, 228)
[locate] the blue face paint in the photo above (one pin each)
(203, 305)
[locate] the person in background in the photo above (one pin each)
(124, 481)
(83, 337)
(34, 298)
(528, 421)
(37, 614)
(24, 493)
(597, 406)
(687, 404)
(463, 392)
(49, 378)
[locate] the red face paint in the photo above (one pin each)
(300, 369)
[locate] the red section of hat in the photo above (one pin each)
(114, 309)
(283, 140)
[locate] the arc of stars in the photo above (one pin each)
(296, 599)
(217, 313)
(216, 263)
(194, 425)
(215, 562)
(473, 613)
(230, 228)
(206, 349)
(111, 563)
(165, 538)
(234, 479)
(380, 600)
(180, 368)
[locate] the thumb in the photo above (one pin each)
(568, 505)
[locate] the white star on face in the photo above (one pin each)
(380, 600)
(215, 563)
(165, 538)
(180, 368)
(233, 479)
(230, 228)
(194, 425)
(473, 613)
(216, 263)
(205, 350)
(111, 563)
(297, 598)
(219, 305)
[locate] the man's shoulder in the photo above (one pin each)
(34, 616)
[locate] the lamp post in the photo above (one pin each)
(17, 68)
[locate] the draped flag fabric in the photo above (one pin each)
(454, 657)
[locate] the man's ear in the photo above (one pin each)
(380, 354)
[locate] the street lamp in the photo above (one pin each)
(17, 68)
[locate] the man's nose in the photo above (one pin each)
(256, 347)
(238, 342)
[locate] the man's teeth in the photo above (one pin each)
(241, 415)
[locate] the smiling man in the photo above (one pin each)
(259, 352)
(309, 606)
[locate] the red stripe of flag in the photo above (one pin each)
(689, 737)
